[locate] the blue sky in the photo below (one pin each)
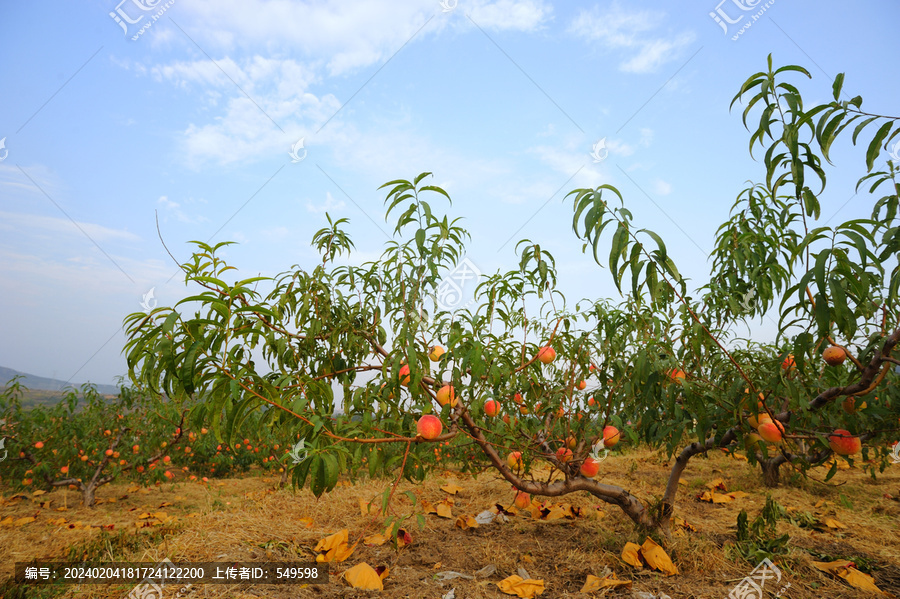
(501, 99)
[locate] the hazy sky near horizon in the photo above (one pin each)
(116, 113)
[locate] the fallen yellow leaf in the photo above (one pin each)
(556, 512)
(631, 555)
(25, 520)
(832, 523)
(593, 583)
(364, 507)
(860, 580)
(363, 576)
(451, 489)
(738, 494)
(717, 483)
(443, 510)
(375, 540)
(657, 558)
(466, 522)
(335, 547)
(516, 585)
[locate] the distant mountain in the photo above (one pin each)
(44, 384)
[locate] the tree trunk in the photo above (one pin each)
(770, 472)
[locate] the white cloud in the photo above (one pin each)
(53, 226)
(632, 33)
(521, 15)
(174, 208)
(662, 188)
(329, 204)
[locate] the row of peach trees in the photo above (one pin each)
(661, 366)
(86, 441)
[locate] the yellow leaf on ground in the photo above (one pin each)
(556, 512)
(375, 540)
(717, 483)
(679, 522)
(738, 494)
(657, 558)
(335, 547)
(363, 507)
(516, 585)
(452, 489)
(466, 522)
(427, 508)
(144, 516)
(363, 576)
(25, 520)
(593, 583)
(596, 512)
(631, 555)
(831, 567)
(832, 523)
(681, 481)
(443, 510)
(166, 504)
(332, 541)
(858, 579)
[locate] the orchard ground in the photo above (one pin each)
(249, 519)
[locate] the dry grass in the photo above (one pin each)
(247, 520)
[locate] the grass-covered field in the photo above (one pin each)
(249, 519)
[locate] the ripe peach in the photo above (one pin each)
(834, 356)
(140, 468)
(447, 394)
(491, 407)
(429, 426)
(610, 436)
(136, 448)
(167, 459)
(843, 443)
(771, 431)
(518, 398)
(84, 458)
(506, 418)
(546, 354)
(39, 445)
(582, 385)
(514, 459)
(788, 363)
(436, 352)
(523, 500)
(592, 402)
(404, 375)
(203, 431)
(756, 421)
(677, 375)
(64, 469)
(571, 442)
(589, 467)
(109, 452)
(564, 454)
(169, 475)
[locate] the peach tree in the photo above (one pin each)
(363, 364)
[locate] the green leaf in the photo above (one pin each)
(875, 145)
